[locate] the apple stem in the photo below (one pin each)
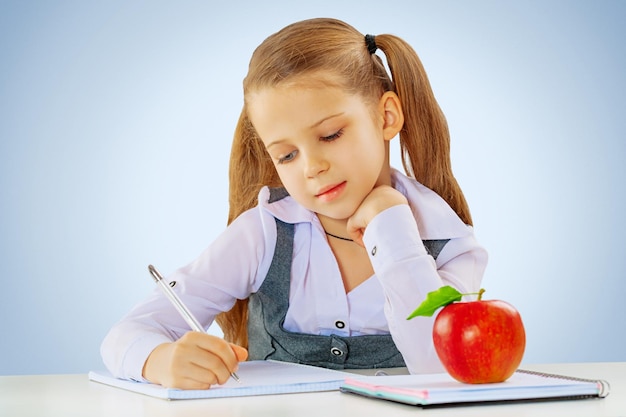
(479, 294)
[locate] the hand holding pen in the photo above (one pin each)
(197, 359)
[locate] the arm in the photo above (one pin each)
(407, 273)
(226, 270)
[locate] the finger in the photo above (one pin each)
(209, 368)
(357, 237)
(220, 357)
(185, 358)
(184, 372)
(192, 363)
(355, 231)
(240, 352)
(196, 377)
(213, 374)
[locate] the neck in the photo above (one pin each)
(340, 237)
(334, 228)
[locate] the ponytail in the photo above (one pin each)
(424, 138)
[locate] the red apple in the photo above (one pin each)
(479, 341)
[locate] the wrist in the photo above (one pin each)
(385, 198)
(393, 236)
(152, 366)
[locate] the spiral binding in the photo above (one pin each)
(604, 385)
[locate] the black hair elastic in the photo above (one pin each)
(370, 41)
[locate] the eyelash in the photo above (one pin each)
(332, 137)
(329, 138)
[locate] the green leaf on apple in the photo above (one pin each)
(435, 300)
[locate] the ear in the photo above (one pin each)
(390, 109)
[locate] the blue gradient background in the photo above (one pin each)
(117, 117)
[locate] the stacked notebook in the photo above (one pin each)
(441, 389)
(271, 377)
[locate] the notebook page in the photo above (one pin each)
(257, 378)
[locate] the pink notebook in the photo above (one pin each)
(441, 389)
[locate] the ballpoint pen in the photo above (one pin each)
(182, 308)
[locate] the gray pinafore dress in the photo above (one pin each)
(268, 339)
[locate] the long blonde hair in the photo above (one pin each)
(332, 46)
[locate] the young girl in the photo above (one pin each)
(328, 248)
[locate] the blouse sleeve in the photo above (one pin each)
(229, 269)
(407, 273)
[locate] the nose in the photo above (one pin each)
(315, 164)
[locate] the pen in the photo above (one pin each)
(182, 308)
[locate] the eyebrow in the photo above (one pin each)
(332, 116)
(314, 125)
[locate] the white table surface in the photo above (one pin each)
(75, 395)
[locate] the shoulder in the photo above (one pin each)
(258, 224)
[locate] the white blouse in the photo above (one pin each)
(236, 263)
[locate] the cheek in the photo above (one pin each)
(288, 178)
(370, 154)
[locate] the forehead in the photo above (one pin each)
(295, 87)
(286, 110)
(285, 99)
(302, 99)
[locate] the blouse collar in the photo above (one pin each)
(435, 218)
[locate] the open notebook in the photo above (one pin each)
(257, 378)
(441, 389)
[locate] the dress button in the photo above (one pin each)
(374, 251)
(340, 324)
(335, 351)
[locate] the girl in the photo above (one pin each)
(328, 248)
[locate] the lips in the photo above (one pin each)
(331, 192)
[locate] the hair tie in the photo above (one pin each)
(370, 41)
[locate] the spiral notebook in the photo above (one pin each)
(257, 378)
(442, 390)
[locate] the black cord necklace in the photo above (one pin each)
(339, 237)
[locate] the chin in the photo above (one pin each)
(337, 214)
(336, 210)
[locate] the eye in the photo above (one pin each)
(332, 137)
(288, 157)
